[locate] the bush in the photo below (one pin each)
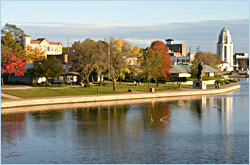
(219, 81)
(233, 80)
(178, 79)
(226, 81)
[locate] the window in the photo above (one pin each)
(48, 48)
(225, 53)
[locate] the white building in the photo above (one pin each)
(225, 50)
(50, 48)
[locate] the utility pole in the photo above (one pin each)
(68, 45)
(198, 49)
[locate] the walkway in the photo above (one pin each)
(8, 103)
(9, 96)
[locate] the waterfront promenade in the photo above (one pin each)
(22, 102)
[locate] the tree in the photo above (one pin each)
(33, 55)
(84, 57)
(208, 58)
(194, 68)
(11, 62)
(9, 42)
(46, 68)
(151, 61)
(118, 53)
(157, 62)
(13, 29)
(102, 59)
(136, 51)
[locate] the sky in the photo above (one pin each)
(194, 23)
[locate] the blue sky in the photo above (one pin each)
(141, 22)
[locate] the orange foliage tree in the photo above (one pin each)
(166, 65)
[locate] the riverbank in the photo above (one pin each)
(10, 103)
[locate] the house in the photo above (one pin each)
(185, 71)
(132, 60)
(50, 48)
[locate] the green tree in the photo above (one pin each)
(8, 41)
(46, 68)
(102, 58)
(84, 57)
(151, 61)
(13, 29)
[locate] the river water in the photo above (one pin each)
(201, 129)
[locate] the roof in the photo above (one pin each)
(187, 69)
(169, 40)
(208, 68)
(178, 69)
(39, 40)
(55, 43)
(25, 35)
(35, 42)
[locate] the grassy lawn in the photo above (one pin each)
(108, 89)
(3, 97)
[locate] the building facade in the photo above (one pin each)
(175, 49)
(225, 50)
(50, 48)
(241, 60)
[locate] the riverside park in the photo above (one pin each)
(106, 82)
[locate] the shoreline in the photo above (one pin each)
(27, 102)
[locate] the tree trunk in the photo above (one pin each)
(2, 81)
(114, 84)
(120, 81)
(87, 81)
(148, 83)
(157, 85)
(47, 81)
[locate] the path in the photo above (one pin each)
(9, 96)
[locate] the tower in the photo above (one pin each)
(225, 49)
(25, 41)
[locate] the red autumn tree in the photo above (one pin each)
(11, 63)
(160, 47)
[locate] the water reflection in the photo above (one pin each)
(13, 128)
(202, 129)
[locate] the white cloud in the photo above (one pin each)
(203, 33)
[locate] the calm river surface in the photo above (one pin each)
(203, 129)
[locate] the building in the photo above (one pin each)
(241, 60)
(225, 50)
(50, 48)
(175, 49)
(185, 71)
(183, 60)
(132, 60)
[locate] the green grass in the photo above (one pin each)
(108, 89)
(3, 97)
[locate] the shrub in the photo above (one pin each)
(219, 81)
(226, 81)
(233, 80)
(178, 79)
